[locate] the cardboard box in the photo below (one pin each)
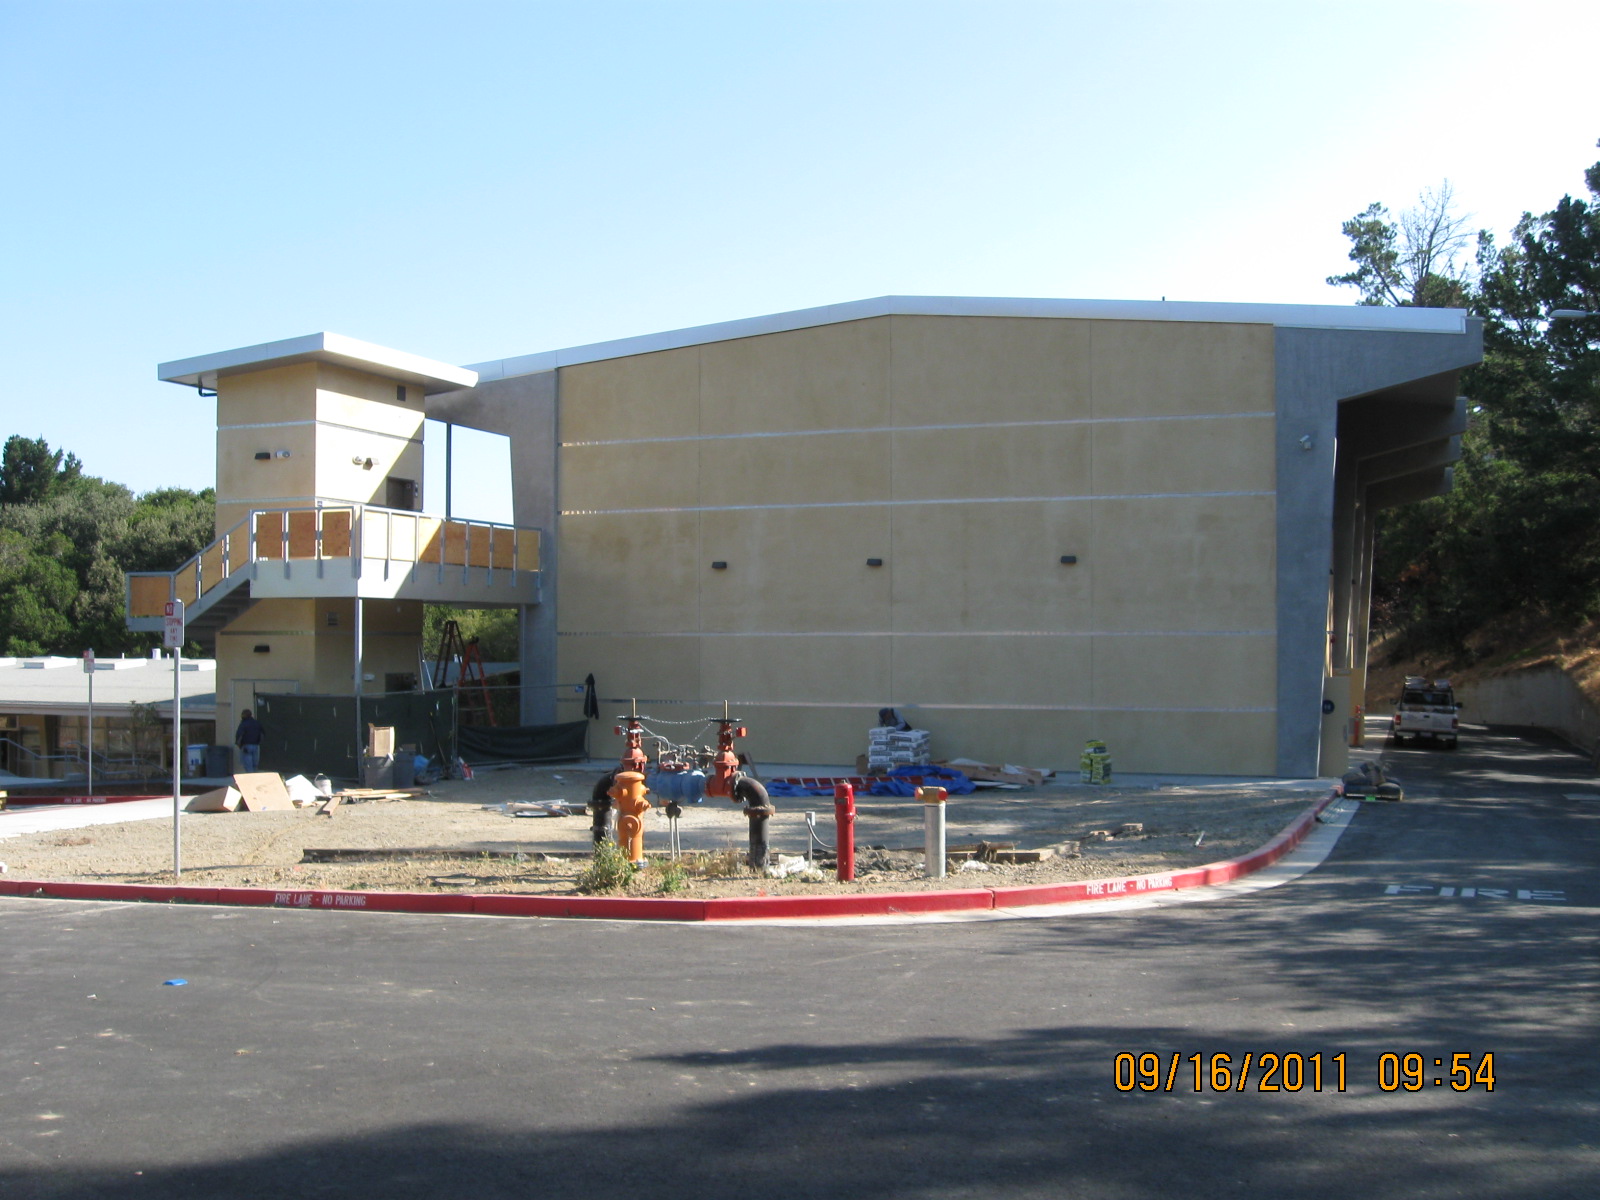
(380, 741)
(222, 799)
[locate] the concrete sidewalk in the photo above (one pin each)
(14, 822)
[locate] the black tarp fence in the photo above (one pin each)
(566, 742)
(311, 735)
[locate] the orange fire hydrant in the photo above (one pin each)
(629, 792)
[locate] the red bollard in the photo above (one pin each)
(844, 819)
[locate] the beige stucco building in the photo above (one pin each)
(1024, 523)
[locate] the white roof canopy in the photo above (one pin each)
(430, 376)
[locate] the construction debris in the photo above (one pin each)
(262, 791)
(222, 799)
(1369, 781)
(302, 792)
(363, 795)
(1000, 773)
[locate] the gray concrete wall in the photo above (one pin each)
(524, 409)
(1316, 369)
(1543, 696)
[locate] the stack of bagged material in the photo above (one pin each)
(888, 748)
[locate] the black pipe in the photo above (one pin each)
(757, 807)
(600, 804)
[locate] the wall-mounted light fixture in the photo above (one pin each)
(280, 454)
(400, 392)
(364, 463)
(719, 565)
(263, 455)
(1068, 559)
(874, 562)
(263, 649)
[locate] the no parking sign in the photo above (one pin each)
(172, 627)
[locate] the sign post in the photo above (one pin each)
(172, 638)
(88, 669)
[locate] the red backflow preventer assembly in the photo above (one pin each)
(682, 773)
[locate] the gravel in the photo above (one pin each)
(462, 837)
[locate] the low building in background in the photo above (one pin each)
(44, 716)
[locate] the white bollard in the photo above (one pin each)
(932, 830)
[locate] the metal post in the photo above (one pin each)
(844, 819)
(449, 458)
(88, 667)
(177, 760)
(360, 741)
(172, 634)
(932, 830)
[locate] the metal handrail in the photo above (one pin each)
(135, 762)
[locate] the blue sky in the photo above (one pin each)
(478, 180)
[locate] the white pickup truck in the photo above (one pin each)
(1427, 710)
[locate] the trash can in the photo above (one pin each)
(219, 761)
(194, 759)
(378, 772)
(405, 771)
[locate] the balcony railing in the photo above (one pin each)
(361, 536)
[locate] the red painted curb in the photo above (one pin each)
(731, 908)
(865, 904)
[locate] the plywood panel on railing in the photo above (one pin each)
(303, 533)
(336, 533)
(478, 544)
(430, 538)
(375, 532)
(184, 582)
(269, 535)
(403, 539)
(455, 544)
(213, 567)
(148, 595)
(503, 548)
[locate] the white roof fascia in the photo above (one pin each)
(43, 685)
(426, 373)
(1299, 316)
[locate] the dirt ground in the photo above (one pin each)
(462, 837)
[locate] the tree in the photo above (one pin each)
(1540, 383)
(36, 591)
(495, 629)
(1519, 534)
(167, 528)
(1416, 262)
(70, 538)
(30, 471)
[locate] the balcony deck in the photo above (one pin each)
(344, 551)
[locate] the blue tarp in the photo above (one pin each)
(950, 780)
(899, 784)
(777, 787)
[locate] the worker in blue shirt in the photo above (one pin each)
(248, 739)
